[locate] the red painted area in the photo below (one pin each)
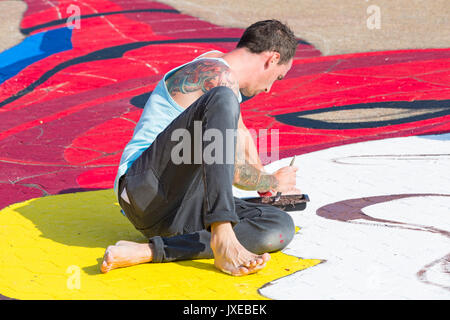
(67, 134)
(18, 193)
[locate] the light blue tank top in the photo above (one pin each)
(159, 111)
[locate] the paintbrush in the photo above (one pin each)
(278, 195)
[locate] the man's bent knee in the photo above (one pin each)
(280, 235)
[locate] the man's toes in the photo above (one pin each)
(265, 257)
(250, 263)
(256, 268)
(262, 259)
(105, 267)
(106, 264)
(241, 271)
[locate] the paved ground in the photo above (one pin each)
(11, 13)
(337, 27)
(334, 27)
(370, 131)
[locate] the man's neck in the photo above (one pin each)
(242, 63)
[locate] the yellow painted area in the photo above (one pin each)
(52, 247)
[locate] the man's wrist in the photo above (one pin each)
(267, 183)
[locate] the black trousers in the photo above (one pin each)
(174, 205)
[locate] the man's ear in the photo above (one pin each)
(276, 57)
(272, 58)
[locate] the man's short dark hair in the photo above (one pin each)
(270, 35)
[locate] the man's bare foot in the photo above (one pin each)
(127, 243)
(126, 255)
(230, 256)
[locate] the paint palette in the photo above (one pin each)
(291, 202)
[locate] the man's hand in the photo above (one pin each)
(286, 178)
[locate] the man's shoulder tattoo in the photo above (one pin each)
(201, 75)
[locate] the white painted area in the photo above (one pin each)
(415, 211)
(371, 260)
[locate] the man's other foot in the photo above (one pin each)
(120, 256)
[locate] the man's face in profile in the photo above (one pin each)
(263, 81)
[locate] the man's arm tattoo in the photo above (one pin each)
(248, 177)
(202, 75)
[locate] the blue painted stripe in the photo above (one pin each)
(32, 49)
